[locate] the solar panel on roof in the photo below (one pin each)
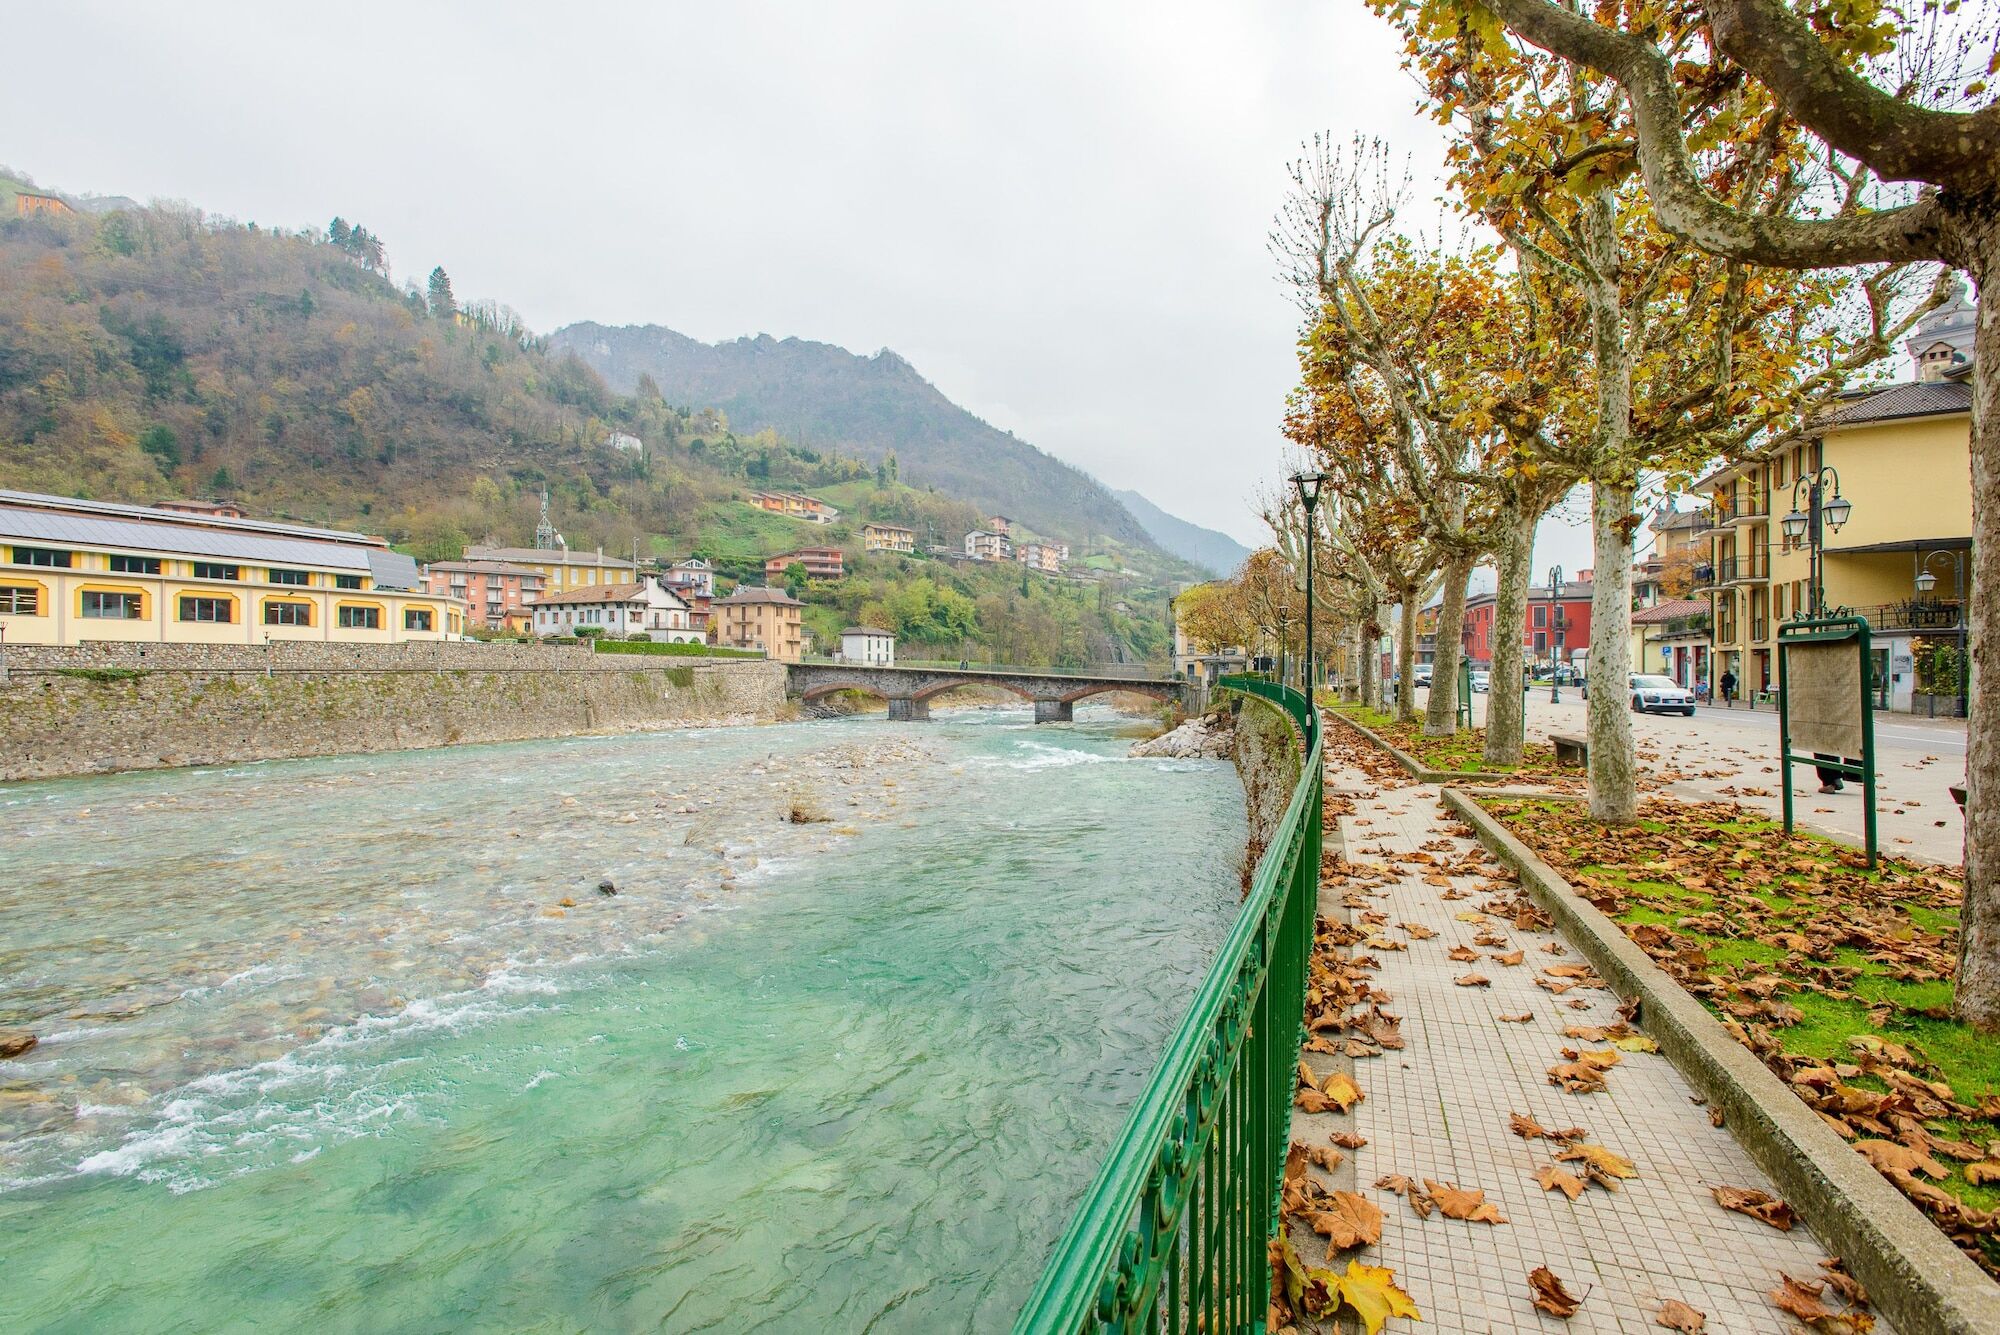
(54, 526)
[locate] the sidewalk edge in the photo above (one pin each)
(1913, 1272)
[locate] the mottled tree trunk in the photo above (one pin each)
(1406, 654)
(1614, 780)
(1978, 997)
(1441, 712)
(1371, 664)
(1505, 702)
(1350, 680)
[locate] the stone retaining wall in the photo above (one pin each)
(201, 705)
(310, 656)
(1268, 761)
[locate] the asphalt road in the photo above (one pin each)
(1733, 754)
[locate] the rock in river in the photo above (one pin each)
(14, 1042)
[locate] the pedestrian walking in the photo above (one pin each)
(1729, 688)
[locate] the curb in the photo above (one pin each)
(1413, 766)
(1914, 1274)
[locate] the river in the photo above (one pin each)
(358, 1044)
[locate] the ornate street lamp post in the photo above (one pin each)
(1926, 581)
(1309, 485)
(1824, 505)
(1555, 635)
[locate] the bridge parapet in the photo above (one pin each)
(910, 690)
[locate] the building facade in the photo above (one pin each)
(1900, 457)
(793, 505)
(1039, 556)
(1552, 628)
(988, 545)
(496, 595)
(692, 576)
(767, 620)
(887, 538)
(643, 607)
(820, 563)
(559, 567)
(75, 571)
(868, 644)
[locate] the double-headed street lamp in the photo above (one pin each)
(1823, 505)
(1555, 635)
(1309, 485)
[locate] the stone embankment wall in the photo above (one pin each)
(1268, 761)
(87, 710)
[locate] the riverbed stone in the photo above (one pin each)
(14, 1042)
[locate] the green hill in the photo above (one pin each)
(870, 407)
(147, 353)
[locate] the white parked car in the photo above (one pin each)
(1480, 681)
(1654, 694)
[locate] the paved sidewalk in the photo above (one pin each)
(1439, 1108)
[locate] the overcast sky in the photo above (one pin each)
(1057, 212)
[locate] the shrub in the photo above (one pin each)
(589, 632)
(676, 650)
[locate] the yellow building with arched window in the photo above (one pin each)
(75, 571)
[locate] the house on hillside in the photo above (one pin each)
(887, 538)
(693, 576)
(988, 545)
(1039, 556)
(820, 563)
(644, 607)
(30, 202)
(792, 505)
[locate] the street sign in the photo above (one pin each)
(1826, 715)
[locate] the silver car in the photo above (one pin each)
(1654, 694)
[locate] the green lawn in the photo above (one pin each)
(1462, 752)
(1814, 959)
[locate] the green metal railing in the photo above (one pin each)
(1171, 1236)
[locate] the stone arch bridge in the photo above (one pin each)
(909, 690)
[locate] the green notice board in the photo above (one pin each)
(1826, 715)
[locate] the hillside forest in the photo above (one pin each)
(154, 352)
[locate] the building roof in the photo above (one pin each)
(485, 568)
(891, 528)
(758, 595)
(1919, 398)
(804, 551)
(692, 563)
(868, 630)
(547, 556)
(1672, 610)
(1577, 590)
(36, 518)
(595, 593)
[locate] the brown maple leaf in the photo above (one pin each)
(1757, 1204)
(1468, 1203)
(1550, 1295)
(1349, 1140)
(1473, 980)
(1523, 1018)
(1527, 1128)
(1888, 1155)
(1677, 1315)
(1350, 1221)
(1552, 1178)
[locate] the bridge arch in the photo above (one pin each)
(1163, 692)
(821, 689)
(932, 692)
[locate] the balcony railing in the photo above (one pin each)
(1915, 614)
(1747, 568)
(1172, 1235)
(1721, 514)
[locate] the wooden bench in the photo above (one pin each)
(1570, 750)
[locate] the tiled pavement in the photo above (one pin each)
(1439, 1109)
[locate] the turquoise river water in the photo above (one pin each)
(356, 1044)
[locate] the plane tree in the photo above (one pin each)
(1690, 356)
